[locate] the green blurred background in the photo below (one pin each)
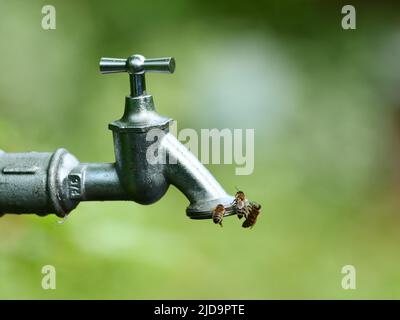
(325, 105)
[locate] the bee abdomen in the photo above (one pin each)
(249, 222)
(218, 214)
(251, 218)
(246, 223)
(217, 219)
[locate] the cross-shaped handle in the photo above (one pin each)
(137, 66)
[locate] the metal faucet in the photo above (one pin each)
(44, 183)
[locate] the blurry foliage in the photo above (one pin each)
(324, 103)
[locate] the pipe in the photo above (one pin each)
(96, 182)
(34, 182)
(44, 183)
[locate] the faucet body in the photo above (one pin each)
(44, 183)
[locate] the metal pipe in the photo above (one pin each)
(34, 182)
(96, 182)
(44, 183)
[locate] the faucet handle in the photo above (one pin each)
(113, 65)
(137, 66)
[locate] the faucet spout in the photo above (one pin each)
(185, 172)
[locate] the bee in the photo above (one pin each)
(241, 204)
(251, 219)
(218, 214)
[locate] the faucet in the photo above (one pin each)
(44, 183)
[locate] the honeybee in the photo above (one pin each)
(241, 204)
(218, 214)
(251, 219)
